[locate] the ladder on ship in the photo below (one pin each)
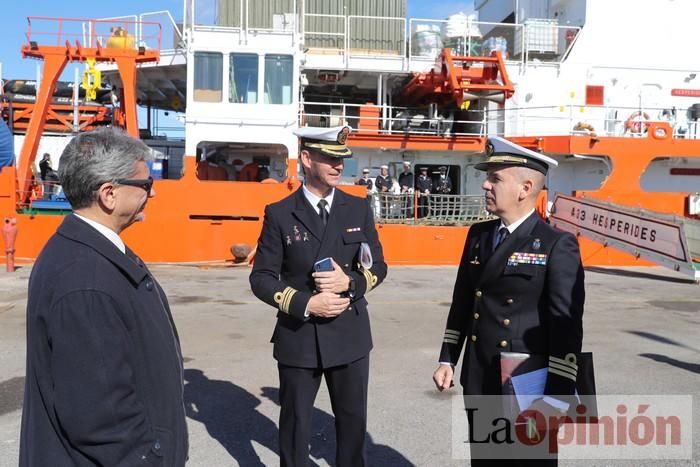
(670, 241)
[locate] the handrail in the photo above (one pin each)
(558, 39)
(432, 209)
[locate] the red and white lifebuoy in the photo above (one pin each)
(638, 122)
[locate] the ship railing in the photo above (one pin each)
(393, 119)
(40, 190)
(432, 209)
(537, 39)
(124, 32)
(415, 41)
(590, 120)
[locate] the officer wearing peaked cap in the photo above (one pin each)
(519, 288)
(322, 325)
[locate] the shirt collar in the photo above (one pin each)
(110, 234)
(313, 199)
(511, 228)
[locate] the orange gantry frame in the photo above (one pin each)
(77, 40)
(59, 117)
(458, 80)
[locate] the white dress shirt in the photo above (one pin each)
(313, 199)
(106, 231)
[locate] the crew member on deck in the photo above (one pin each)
(424, 185)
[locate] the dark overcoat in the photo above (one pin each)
(293, 238)
(104, 383)
(526, 296)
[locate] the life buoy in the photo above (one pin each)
(587, 127)
(638, 122)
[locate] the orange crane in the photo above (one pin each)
(458, 80)
(103, 41)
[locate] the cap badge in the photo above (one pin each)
(343, 135)
(489, 148)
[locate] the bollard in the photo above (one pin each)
(9, 234)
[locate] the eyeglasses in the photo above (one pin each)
(145, 183)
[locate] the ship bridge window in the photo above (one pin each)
(243, 87)
(208, 76)
(278, 79)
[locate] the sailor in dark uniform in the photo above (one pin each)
(442, 186)
(519, 288)
(322, 322)
(384, 184)
(365, 180)
(424, 185)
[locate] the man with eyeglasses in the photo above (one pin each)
(104, 381)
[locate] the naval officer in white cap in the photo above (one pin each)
(308, 266)
(519, 288)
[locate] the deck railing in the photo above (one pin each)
(413, 39)
(432, 209)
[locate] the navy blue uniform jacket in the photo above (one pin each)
(526, 296)
(293, 238)
(104, 382)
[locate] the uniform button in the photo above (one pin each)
(476, 315)
(509, 301)
(504, 344)
(478, 293)
(506, 322)
(473, 338)
(156, 446)
(149, 285)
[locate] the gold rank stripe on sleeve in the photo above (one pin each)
(284, 299)
(565, 367)
(562, 373)
(370, 278)
(451, 336)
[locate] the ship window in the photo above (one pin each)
(243, 69)
(208, 76)
(278, 79)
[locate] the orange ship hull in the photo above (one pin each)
(193, 221)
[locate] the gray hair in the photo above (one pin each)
(536, 177)
(96, 157)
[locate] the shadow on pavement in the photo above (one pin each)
(638, 274)
(323, 439)
(692, 367)
(230, 416)
(11, 395)
(662, 339)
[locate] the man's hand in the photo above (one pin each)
(545, 416)
(327, 305)
(443, 377)
(335, 281)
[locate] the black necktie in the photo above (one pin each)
(502, 235)
(322, 211)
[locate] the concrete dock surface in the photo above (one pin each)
(642, 325)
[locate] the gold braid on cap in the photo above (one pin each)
(333, 149)
(506, 158)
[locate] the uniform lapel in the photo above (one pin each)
(307, 215)
(486, 243)
(496, 262)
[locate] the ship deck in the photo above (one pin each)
(641, 324)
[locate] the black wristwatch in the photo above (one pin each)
(351, 288)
